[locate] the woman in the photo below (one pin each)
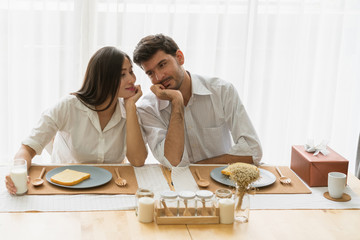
(98, 123)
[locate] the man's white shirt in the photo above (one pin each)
(216, 123)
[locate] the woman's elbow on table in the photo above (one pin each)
(138, 160)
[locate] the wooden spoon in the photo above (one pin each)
(283, 179)
(204, 211)
(186, 211)
(168, 213)
(38, 181)
(201, 182)
(119, 181)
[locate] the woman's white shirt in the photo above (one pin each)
(79, 138)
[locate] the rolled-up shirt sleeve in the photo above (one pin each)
(46, 128)
(155, 130)
(243, 133)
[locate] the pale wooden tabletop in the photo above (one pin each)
(263, 224)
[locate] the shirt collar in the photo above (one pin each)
(119, 110)
(198, 86)
(121, 107)
(119, 113)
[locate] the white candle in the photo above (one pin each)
(146, 209)
(227, 207)
(19, 177)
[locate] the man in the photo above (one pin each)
(188, 118)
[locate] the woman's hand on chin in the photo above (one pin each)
(133, 99)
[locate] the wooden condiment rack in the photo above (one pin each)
(160, 217)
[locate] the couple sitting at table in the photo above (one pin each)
(187, 117)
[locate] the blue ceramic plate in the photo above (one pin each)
(266, 178)
(98, 176)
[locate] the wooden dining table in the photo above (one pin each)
(263, 224)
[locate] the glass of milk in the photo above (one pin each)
(18, 174)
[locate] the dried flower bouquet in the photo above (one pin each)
(243, 174)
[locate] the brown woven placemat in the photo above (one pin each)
(47, 188)
(296, 186)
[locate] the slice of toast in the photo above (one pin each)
(69, 177)
(226, 171)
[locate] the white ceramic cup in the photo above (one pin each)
(336, 184)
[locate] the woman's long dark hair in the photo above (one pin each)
(102, 78)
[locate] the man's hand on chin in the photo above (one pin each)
(166, 94)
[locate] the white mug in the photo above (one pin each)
(336, 184)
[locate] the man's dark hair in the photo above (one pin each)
(149, 45)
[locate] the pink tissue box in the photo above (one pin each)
(314, 169)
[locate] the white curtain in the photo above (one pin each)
(295, 63)
(357, 162)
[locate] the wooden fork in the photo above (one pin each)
(119, 181)
(283, 179)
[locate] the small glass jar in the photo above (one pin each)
(205, 203)
(226, 205)
(168, 204)
(222, 193)
(187, 204)
(141, 192)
